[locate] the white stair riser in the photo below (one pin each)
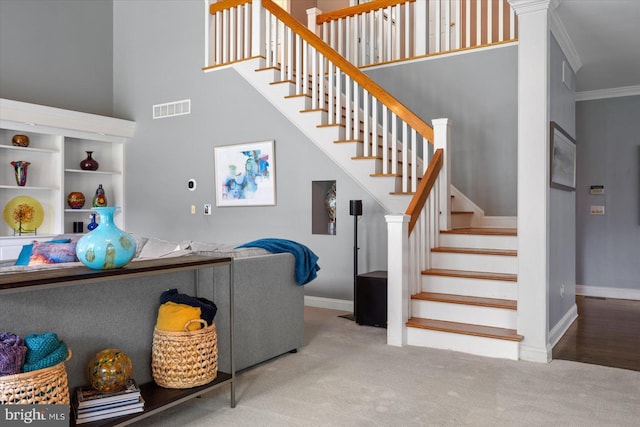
(478, 241)
(481, 346)
(475, 262)
(463, 313)
(472, 287)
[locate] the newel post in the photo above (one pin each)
(312, 19)
(397, 278)
(257, 30)
(442, 139)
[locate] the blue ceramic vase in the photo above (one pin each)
(107, 246)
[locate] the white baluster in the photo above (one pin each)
(366, 139)
(374, 126)
(290, 37)
(405, 157)
(356, 111)
(299, 68)
(438, 24)
(442, 139)
(385, 140)
(348, 107)
(478, 24)
(414, 160)
(394, 144)
(331, 100)
(500, 20)
(389, 35)
(305, 67)
(314, 77)
(233, 31)
(372, 38)
(467, 23)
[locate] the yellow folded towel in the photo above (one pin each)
(173, 317)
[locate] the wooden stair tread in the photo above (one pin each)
(467, 300)
(462, 212)
(476, 251)
(472, 274)
(465, 328)
(483, 231)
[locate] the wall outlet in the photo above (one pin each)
(207, 209)
(193, 209)
(597, 210)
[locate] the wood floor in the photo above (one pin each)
(607, 333)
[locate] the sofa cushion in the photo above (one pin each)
(25, 253)
(155, 248)
(52, 253)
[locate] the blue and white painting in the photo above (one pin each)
(245, 174)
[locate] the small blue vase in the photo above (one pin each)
(107, 246)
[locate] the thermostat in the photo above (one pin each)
(191, 184)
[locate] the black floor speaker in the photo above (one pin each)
(371, 299)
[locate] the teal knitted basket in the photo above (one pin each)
(47, 386)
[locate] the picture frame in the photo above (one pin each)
(562, 170)
(245, 174)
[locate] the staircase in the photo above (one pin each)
(463, 288)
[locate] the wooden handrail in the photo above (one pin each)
(424, 188)
(354, 72)
(225, 4)
(358, 9)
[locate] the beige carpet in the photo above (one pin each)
(347, 376)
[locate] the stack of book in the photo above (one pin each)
(92, 405)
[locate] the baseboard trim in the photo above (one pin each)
(331, 303)
(561, 327)
(605, 292)
(535, 354)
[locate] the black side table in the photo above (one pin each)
(371, 299)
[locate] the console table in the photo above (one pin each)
(95, 309)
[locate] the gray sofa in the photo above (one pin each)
(268, 309)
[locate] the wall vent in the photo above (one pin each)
(171, 109)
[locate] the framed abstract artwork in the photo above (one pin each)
(245, 174)
(563, 159)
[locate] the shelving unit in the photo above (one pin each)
(83, 280)
(59, 140)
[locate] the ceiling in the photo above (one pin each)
(606, 38)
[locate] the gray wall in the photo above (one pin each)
(608, 247)
(479, 94)
(57, 53)
(562, 210)
(158, 56)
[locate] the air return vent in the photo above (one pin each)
(171, 109)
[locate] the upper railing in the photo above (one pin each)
(383, 31)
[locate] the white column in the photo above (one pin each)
(442, 139)
(533, 178)
(397, 278)
(257, 32)
(420, 31)
(312, 18)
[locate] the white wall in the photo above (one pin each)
(57, 53)
(158, 54)
(562, 211)
(608, 247)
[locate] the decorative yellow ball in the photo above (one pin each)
(109, 370)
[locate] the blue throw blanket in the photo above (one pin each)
(306, 261)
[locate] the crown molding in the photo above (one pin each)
(616, 92)
(562, 36)
(526, 6)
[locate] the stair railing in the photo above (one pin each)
(244, 29)
(382, 31)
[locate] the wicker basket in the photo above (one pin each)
(185, 359)
(46, 386)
